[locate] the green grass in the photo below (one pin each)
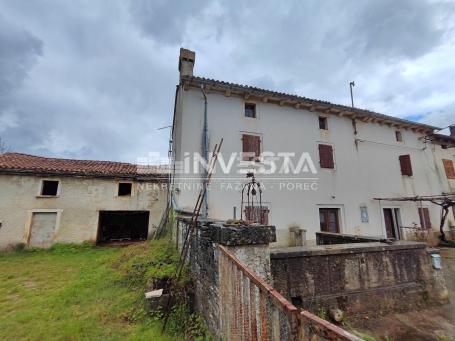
(81, 292)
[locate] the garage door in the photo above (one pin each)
(42, 229)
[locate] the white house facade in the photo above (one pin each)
(348, 157)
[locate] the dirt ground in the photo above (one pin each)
(436, 323)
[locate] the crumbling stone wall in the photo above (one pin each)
(249, 244)
(371, 278)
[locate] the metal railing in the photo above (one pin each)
(251, 309)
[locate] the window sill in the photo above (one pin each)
(47, 196)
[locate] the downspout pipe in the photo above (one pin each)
(205, 153)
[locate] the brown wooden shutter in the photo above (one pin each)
(424, 216)
(448, 167)
(405, 164)
(264, 215)
(251, 146)
(326, 156)
(257, 214)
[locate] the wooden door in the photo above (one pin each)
(389, 225)
(329, 220)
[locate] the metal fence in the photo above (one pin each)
(251, 309)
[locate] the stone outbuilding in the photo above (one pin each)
(47, 200)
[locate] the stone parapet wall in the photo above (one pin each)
(359, 278)
(231, 269)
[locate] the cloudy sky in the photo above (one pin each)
(95, 79)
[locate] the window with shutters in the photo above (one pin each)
(251, 149)
(405, 165)
(323, 123)
(257, 214)
(250, 110)
(326, 156)
(448, 167)
(424, 215)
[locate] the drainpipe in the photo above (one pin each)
(205, 153)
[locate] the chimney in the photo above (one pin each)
(452, 130)
(186, 62)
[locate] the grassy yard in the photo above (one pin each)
(80, 293)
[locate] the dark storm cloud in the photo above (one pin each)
(95, 79)
(18, 52)
(166, 21)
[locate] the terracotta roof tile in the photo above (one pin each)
(30, 164)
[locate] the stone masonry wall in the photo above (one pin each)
(358, 278)
(248, 244)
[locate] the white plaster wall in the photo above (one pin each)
(370, 169)
(79, 201)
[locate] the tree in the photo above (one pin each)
(3, 146)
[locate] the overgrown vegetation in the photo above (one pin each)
(73, 292)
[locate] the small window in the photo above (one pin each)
(326, 156)
(323, 123)
(124, 189)
(398, 136)
(449, 169)
(405, 165)
(250, 110)
(251, 147)
(49, 188)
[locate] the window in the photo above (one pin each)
(323, 123)
(326, 156)
(398, 136)
(424, 215)
(448, 167)
(124, 189)
(257, 214)
(329, 220)
(49, 188)
(405, 164)
(250, 110)
(251, 147)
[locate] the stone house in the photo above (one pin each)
(47, 200)
(345, 157)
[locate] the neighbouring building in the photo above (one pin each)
(47, 200)
(348, 157)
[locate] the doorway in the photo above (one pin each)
(329, 219)
(392, 221)
(42, 229)
(122, 226)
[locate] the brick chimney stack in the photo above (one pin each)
(452, 130)
(186, 62)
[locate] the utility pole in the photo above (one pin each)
(351, 85)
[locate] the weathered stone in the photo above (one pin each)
(358, 278)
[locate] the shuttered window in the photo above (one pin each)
(326, 156)
(405, 164)
(448, 167)
(424, 215)
(257, 214)
(251, 147)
